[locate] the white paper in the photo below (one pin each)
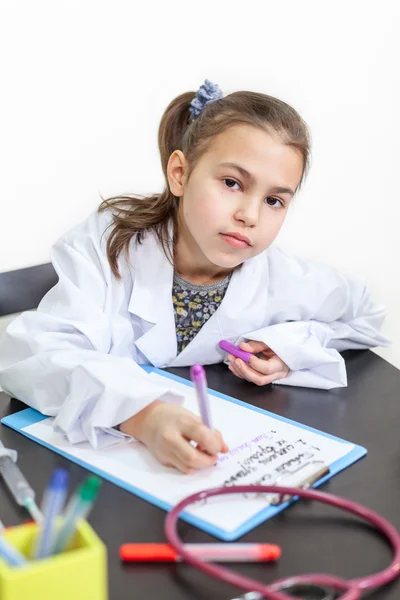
(261, 449)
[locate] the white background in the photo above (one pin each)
(84, 85)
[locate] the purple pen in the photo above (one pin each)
(232, 349)
(199, 379)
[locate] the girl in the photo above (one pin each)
(161, 280)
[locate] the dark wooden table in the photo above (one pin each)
(314, 538)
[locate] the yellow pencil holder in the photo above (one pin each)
(79, 573)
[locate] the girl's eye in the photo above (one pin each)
(274, 202)
(271, 201)
(230, 183)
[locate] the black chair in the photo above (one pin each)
(23, 289)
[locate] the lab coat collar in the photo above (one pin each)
(242, 307)
(153, 275)
(151, 301)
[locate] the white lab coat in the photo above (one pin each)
(77, 356)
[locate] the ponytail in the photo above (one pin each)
(135, 215)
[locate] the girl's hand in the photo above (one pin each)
(167, 429)
(261, 371)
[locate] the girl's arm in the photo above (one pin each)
(317, 312)
(59, 358)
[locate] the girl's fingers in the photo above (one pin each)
(265, 367)
(177, 463)
(192, 458)
(253, 347)
(235, 371)
(224, 446)
(210, 441)
(259, 378)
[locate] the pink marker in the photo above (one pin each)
(199, 379)
(232, 349)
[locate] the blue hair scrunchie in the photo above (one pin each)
(207, 93)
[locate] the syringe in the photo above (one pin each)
(18, 486)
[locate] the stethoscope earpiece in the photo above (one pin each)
(303, 591)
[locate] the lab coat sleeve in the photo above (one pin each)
(322, 313)
(57, 359)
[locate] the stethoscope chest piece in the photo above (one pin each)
(303, 591)
(307, 591)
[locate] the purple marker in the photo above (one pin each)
(199, 379)
(232, 349)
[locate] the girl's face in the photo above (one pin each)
(236, 198)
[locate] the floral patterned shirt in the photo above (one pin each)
(194, 305)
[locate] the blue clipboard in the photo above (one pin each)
(29, 416)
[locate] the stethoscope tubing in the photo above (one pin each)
(351, 589)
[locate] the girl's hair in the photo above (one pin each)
(134, 215)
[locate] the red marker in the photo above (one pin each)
(206, 552)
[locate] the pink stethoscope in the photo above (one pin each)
(328, 584)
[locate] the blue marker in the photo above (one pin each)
(78, 508)
(53, 502)
(10, 554)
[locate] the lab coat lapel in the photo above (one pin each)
(151, 301)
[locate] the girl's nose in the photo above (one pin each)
(247, 213)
